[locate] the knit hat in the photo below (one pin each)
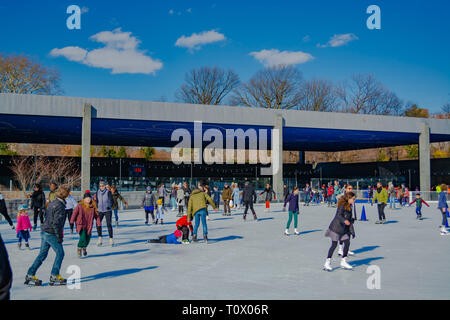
(23, 207)
(178, 233)
(87, 194)
(148, 189)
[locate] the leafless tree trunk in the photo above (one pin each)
(19, 74)
(272, 88)
(207, 86)
(28, 172)
(318, 95)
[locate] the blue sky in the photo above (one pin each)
(410, 54)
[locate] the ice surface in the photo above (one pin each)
(249, 260)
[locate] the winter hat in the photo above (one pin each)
(148, 189)
(23, 207)
(87, 194)
(178, 233)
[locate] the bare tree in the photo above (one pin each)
(368, 96)
(272, 88)
(63, 168)
(19, 74)
(28, 171)
(446, 109)
(207, 86)
(318, 95)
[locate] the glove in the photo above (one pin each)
(353, 236)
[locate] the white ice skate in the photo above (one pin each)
(99, 241)
(327, 265)
(296, 232)
(111, 242)
(345, 265)
(286, 232)
(444, 231)
(341, 251)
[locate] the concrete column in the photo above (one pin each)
(277, 156)
(424, 160)
(86, 148)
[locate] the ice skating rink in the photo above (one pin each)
(249, 260)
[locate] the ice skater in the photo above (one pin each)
(340, 229)
(197, 210)
(443, 207)
(249, 198)
(381, 195)
(269, 195)
(4, 211)
(173, 238)
(184, 226)
(104, 202)
(160, 209)
(149, 204)
(70, 205)
(348, 188)
(23, 226)
(180, 200)
(226, 197)
(419, 202)
(292, 199)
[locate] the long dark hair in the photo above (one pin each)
(344, 201)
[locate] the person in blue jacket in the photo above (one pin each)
(292, 198)
(443, 207)
(173, 238)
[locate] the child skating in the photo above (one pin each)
(184, 226)
(340, 229)
(149, 204)
(292, 199)
(180, 200)
(23, 226)
(419, 202)
(160, 211)
(173, 238)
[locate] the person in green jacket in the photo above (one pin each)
(381, 195)
(52, 194)
(197, 209)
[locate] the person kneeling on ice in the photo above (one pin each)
(419, 202)
(83, 217)
(184, 226)
(172, 238)
(52, 237)
(340, 229)
(197, 209)
(23, 226)
(292, 198)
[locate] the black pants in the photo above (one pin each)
(69, 215)
(180, 208)
(381, 207)
(151, 213)
(185, 231)
(217, 204)
(334, 245)
(162, 239)
(7, 217)
(248, 204)
(186, 202)
(162, 199)
(38, 212)
(226, 206)
(108, 216)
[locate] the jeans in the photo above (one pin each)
(108, 216)
(200, 215)
(392, 201)
(116, 216)
(48, 240)
(419, 211)
(23, 234)
(173, 202)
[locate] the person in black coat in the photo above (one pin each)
(52, 237)
(38, 204)
(4, 210)
(5, 272)
(341, 228)
(248, 198)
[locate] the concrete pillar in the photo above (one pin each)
(424, 160)
(86, 148)
(277, 156)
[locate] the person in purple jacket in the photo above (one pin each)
(292, 198)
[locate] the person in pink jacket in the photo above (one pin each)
(23, 226)
(83, 216)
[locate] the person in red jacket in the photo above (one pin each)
(184, 226)
(330, 192)
(419, 202)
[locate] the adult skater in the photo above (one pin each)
(38, 204)
(381, 195)
(391, 194)
(149, 204)
(4, 211)
(5, 272)
(173, 197)
(180, 200)
(52, 195)
(308, 192)
(187, 194)
(236, 196)
(162, 193)
(197, 209)
(115, 207)
(104, 204)
(292, 199)
(83, 217)
(226, 197)
(216, 196)
(269, 195)
(52, 237)
(443, 207)
(248, 198)
(418, 201)
(340, 229)
(70, 205)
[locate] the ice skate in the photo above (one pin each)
(79, 252)
(286, 232)
(57, 280)
(99, 241)
(111, 242)
(205, 238)
(207, 218)
(27, 245)
(345, 265)
(32, 280)
(84, 252)
(444, 231)
(19, 245)
(185, 242)
(255, 217)
(327, 265)
(244, 217)
(296, 232)
(194, 238)
(117, 223)
(12, 227)
(156, 222)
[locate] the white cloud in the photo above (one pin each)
(171, 11)
(306, 38)
(339, 40)
(274, 57)
(195, 41)
(120, 54)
